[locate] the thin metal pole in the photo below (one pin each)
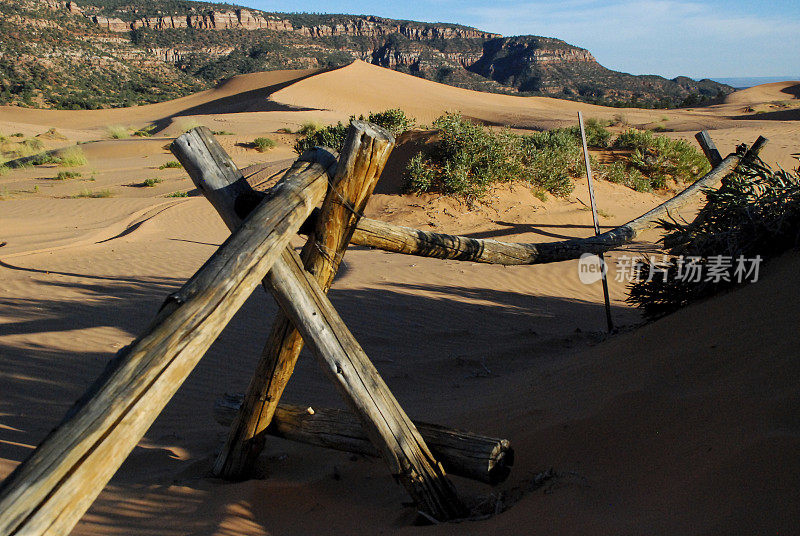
(596, 224)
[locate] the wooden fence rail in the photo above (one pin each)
(51, 490)
(304, 302)
(466, 454)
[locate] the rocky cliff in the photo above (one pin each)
(202, 43)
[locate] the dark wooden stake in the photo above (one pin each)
(708, 147)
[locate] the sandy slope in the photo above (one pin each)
(684, 426)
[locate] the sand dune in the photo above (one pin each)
(684, 426)
(776, 91)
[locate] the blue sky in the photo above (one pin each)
(710, 39)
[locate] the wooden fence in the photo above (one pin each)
(49, 492)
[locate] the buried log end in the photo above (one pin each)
(500, 463)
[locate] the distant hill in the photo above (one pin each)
(108, 53)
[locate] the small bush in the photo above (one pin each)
(284, 130)
(263, 144)
(660, 158)
(117, 132)
(596, 133)
(178, 194)
(333, 136)
(145, 132)
(71, 157)
(756, 212)
(468, 158)
(149, 183)
(93, 194)
(222, 133)
(172, 164)
(64, 175)
(18, 135)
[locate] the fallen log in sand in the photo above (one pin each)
(473, 456)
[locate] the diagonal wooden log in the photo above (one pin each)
(51, 490)
(304, 302)
(473, 456)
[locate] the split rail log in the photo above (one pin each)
(50, 491)
(304, 302)
(469, 455)
(709, 147)
(399, 239)
(363, 157)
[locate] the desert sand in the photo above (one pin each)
(687, 425)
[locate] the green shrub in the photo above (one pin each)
(222, 133)
(333, 136)
(64, 175)
(468, 158)
(71, 157)
(263, 144)
(117, 132)
(172, 164)
(149, 183)
(284, 130)
(93, 194)
(659, 158)
(597, 135)
(394, 120)
(178, 194)
(756, 212)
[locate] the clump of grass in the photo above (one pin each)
(172, 164)
(93, 194)
(3, 169)
(145, 132)
(284, 130)
(71, 157)
(117, 132)
(263, 144)
(18, 135)
(178, 194)
(308, 128)
(64, 175)
(222, 133)
(756, 212)
(32, 144)
(620, 120)
(149, 183)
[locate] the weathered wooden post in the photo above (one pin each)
(708, 147)
(51, 490)
(303, 300)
